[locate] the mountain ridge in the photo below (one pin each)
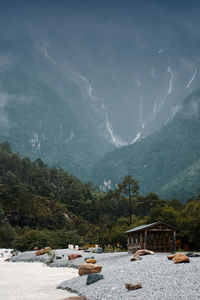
(156, 159)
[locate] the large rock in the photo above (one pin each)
(89, 268)
(143, 252)
(93, 277)
(91, 261)
(180, 258)
(74, 256)
(130, 286)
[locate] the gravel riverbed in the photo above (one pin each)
(160, 277)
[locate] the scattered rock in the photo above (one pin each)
(58, 257)
(73, 256)
(43, 251)
(143, 252)
(15, 253)
(40, 252)
(171, 256)
(191, 254)
(89, 268)
(135, 258)
(91, 261)
(7, 259)
(93, 277)
(131, 287)
(36, 248)
(91, 257)
(180, 258)
(98, 250)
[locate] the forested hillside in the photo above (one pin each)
(42, 206)
(166, 162)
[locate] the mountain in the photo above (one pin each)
(132, 64)
(78, 80)
(166, 162)
(40, 120)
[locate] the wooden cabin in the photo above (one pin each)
(157, 236)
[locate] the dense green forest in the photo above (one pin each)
(42, 206)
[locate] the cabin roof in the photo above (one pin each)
(143, 227)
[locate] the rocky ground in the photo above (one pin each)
(160, 277)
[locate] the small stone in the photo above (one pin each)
(40, 252)
(99, 250)
(131, 287)
(191, 254)
(7, 259)
(91, 261)
(36, 248)
(76, 298)
(143, 252)
(93, 277)
(58, 257)
(91, 257)
(74, 256)
(135, 258)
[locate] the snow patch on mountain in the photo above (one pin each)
(192, 79)
(35, 142)
(136, 138)
(155, 107)
(89, 88)
(106, 185)
(44, 50)
(114, 139)
(70, 137)
(169, 70)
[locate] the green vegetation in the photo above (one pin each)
(42, 206)
(52, 255)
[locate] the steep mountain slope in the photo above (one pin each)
(132, 64)
(166, 162)
(37, 120)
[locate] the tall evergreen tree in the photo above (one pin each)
(129, 187)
